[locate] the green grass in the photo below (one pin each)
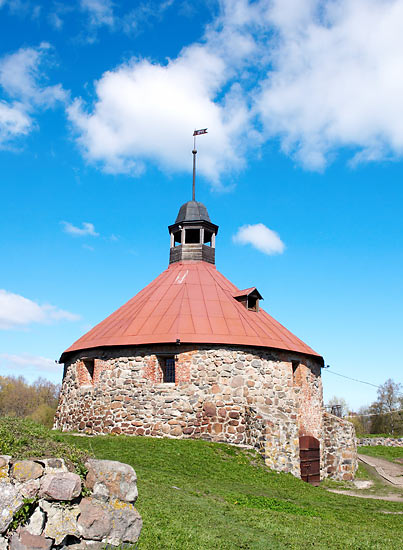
(196, 495)
(380, 451)
(24, 438)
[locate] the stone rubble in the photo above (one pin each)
(60, 517)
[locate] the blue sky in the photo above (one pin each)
(301, 168)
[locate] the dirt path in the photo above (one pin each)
(389, 471)
(392, 498)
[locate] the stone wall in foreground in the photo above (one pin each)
(340, 448)
(43, 505)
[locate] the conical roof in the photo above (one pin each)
(192, 302)
(192, 211)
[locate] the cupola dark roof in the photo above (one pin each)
(192, 211)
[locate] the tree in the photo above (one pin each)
(21, 399)
(341, 402)
(389, 400)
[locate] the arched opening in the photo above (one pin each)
(309, 454)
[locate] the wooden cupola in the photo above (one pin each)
(192, 234)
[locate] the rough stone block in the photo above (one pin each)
(30, 488)
(26, 469)
(209, 409)
(126, 521)
(94, 521)
(22, 540)
(54, 465)
(61, 520)
(4, 465)
(36, 522)
(10, 502)
(108, 478)
(60, 486)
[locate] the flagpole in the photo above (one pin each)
(195, 133)
(194, 168)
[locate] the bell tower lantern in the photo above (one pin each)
(192, 234)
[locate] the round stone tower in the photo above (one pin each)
(192, 355)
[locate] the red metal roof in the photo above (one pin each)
(192, 302)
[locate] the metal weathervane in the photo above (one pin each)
(196, 133)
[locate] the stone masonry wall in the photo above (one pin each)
(220, 394)
(385, 441)
(45, 506)
(340, 448)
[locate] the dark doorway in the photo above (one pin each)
(309, 453)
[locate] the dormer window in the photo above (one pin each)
(249, 298)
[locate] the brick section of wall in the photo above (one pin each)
(340, 448)
(308, 388)
(231, 394)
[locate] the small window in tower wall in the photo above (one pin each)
(192, 236)
(168, 370)
(295, 365)
(89, 365)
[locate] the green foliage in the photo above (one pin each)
(44, 415)
(20, 399)
(24, 438)
(21, 517)
(358, 424)
(196, 495)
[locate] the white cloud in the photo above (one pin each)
(25, 360)
(31, 367)
(139, 18)
(21, 80)
(17, 312)
(86, 229)
(55, 20)
(100, 12)
(260, 237)
(318, 76)
(20, 77)
(148, 111)
(336, 79)
(13, 121)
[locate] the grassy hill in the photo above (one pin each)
(196, 495)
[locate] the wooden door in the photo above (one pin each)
(309, 452)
